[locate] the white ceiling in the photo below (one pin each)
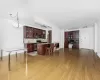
(62, 13)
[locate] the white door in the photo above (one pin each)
(84, 39)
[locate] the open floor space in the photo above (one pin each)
(65, 64)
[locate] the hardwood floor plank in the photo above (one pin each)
(63, 65)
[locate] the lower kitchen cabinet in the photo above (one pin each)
(30, 47)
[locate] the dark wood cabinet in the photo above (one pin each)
(66, 40)
(76, 39)
(41, 49)
(28, 32)
(30, 47)
(34, 33)
(72, 37)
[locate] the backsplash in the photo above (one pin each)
(34, 40)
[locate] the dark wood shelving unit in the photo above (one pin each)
(72, 36)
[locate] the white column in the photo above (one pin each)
(62, 39)
(96, 38)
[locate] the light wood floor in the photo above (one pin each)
(63, 65)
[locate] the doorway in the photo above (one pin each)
(71, 37)
(87, 38)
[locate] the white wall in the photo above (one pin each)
(62, 39)
(11, 37)
(97, 38)
(55, 34)
(86, 38)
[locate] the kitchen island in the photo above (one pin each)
(41, 47)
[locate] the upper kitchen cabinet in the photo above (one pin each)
(39, 33)
(43, 34)
(35, 33)
(30, 32)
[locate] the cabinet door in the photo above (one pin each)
(30, 47)
(66, 40)
(29, 32)
(41, 49)
(34, 33)
(39, 33)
